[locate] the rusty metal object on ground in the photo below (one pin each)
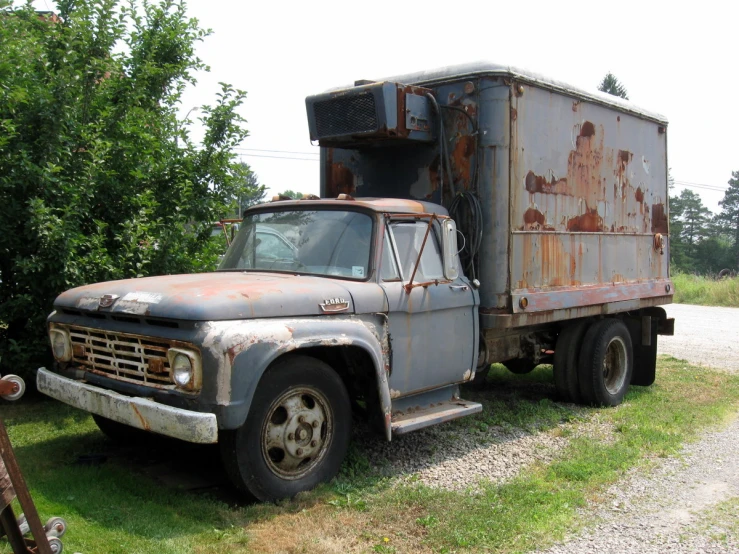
(12, 484)
(12, 387)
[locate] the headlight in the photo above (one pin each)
(61, 344)
(185, 368)
(182, 370)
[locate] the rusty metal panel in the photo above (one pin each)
(587, 199)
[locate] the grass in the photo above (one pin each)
(695, 289)
(120, 507)
(720, 522)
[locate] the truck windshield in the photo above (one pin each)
(326, 242)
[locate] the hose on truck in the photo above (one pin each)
(465, 208)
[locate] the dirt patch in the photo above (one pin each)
(336, 531)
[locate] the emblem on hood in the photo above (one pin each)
(334, 305)
(107, 300)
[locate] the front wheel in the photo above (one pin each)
(296, 434)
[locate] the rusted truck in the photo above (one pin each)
(469, 215)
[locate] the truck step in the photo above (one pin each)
(414, 419)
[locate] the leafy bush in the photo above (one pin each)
(99, 179)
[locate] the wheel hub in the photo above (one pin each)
(614, 365)
(297, 432)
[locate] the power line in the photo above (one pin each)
(279, 157)
(699, 186)
(277, 151)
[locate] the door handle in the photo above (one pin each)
(461, 288)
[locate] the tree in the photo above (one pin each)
(695, 217)
(292, 194)
(611, 85)
(99, 179)
(729, 215)
(689, 220)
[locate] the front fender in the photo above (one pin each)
(245, 349)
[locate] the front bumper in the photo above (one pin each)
(141, 413)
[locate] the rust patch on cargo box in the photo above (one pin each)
(587, 129)
(558, 267)
(639, 195)
(534, 220)
(463, 151)
(537, 183)
(339, 178)
(342, 179)
(589, 222)
(659, 218)
(584, 164)
(434, 176)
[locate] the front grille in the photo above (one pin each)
(140, 360)
(347, 115)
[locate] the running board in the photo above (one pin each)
(415, 419)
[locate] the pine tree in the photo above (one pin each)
(611, 85)
(729, 216)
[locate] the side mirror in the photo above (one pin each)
(449, 248)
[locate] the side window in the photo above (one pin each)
(388, 267)
(409, 238)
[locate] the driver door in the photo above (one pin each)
(433, 329)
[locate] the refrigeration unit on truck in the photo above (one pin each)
(468, 215)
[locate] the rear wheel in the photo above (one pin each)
(566, 356)
(296, 434)
(606, 363)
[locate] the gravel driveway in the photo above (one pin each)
(704, 335)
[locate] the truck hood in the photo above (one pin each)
(218, 296)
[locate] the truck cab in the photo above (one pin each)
(316, 304)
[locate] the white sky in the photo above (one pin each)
(675, 58)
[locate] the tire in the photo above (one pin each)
(566, 356)
(520, 366)
(121, 433)
(481, 379)
(296, 434)
(606, 363)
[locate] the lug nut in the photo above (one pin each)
(313, 443)
(301, 419)
(291, 437)
(299, 452)
(315, 425)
